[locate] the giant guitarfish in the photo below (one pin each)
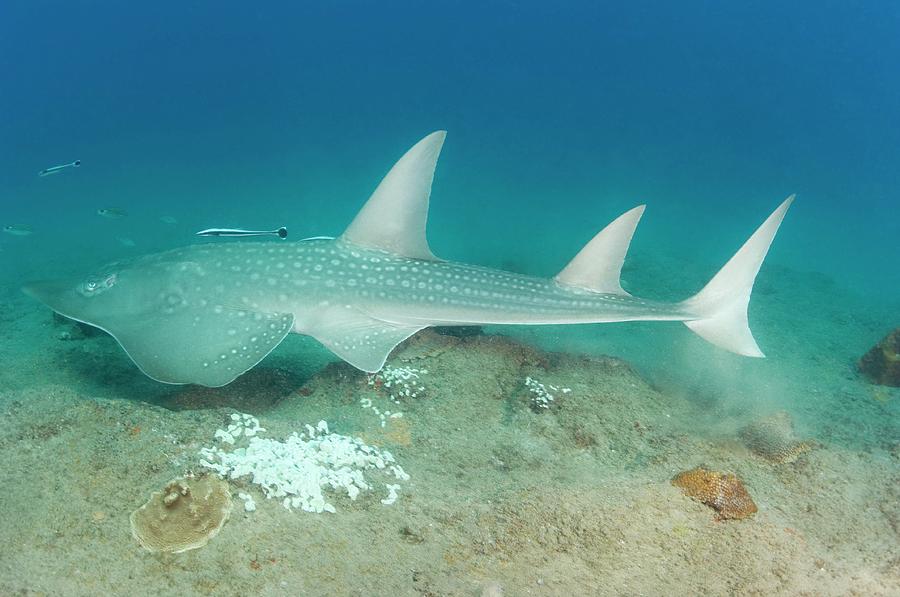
(205, 314)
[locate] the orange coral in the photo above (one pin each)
(723, 492)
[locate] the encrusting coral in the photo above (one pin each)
(185, 515)
(773, 438)
(722, 492)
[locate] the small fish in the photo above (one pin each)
(55, 169)
(168, 220)
(280, 233)
(112, 213)
(18, 230)
(126, 242)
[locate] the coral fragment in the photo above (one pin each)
(723, 492)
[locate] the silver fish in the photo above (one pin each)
(18, 230)
(280, 232)
(60, 168)
(113, 213)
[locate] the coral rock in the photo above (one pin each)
(773, 438)
(881, 365)
(722, 492)
(185, 515)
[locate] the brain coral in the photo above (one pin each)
(723, 492)
(185, 515)
(773, 438)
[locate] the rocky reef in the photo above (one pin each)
(881, 365)
(561, 485)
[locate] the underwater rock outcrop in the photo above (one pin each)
(723, 492)
(773, 438)
(185, 515)
(881, 365)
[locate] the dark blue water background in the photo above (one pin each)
(559, 118)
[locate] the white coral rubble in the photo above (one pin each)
(541, 396)
(399, 383)
(298, 469)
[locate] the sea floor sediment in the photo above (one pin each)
(570, 495)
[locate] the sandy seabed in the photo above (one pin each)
(573, 499)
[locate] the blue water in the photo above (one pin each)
(558, 119)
